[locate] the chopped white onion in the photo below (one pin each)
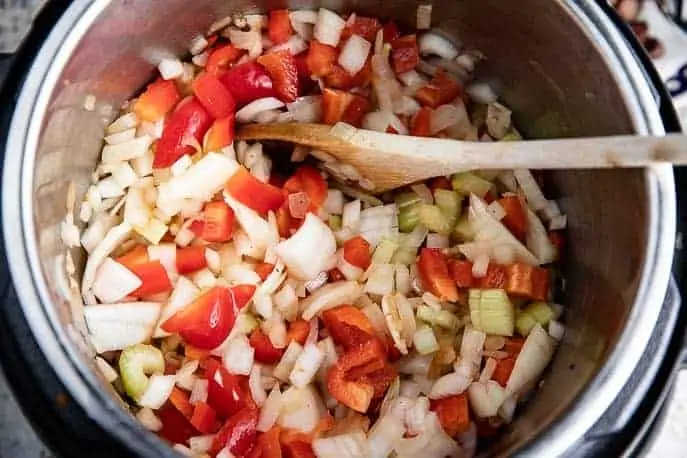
(286, 302)
(121, 137)
(497, 210)
(124, 122)
(556, 330)
(306, 365)
(201, 444)
(255, 385)
(108, 372)
(334, 203)
(184, 376)
(351, 215)
(437, 241)
(331, 295)
(486, 398)
(415, 364)
(283, 369)
(498, 120)
(350, 445)
(125, 151)
(250, 40)
(535, 355)
(199, 393)
(381, 120)
(295, 45)
(423, 18)
(113, 282)
(380, 279)
(533, 193)
(270, 410)
(148, 419)
(433, 44)
(170, 68)
(310, 250)
(538, 239)
(157, 392)
(302, 408)
(446, 116)
(275, 328)
(378, 222)
(481, 93)
(183, 294)
(449, 385)
(328, 27)
(558, 222)
(348, 270)
(238, 356)
(354, 54)
(249, 112)
(383, 435)
(488, 370)
(480, 266)
(471, 351)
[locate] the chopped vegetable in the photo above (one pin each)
(135, 364)
(190, 120)
(157, 100)
(433, 271)
(261, 197)
(491, 311)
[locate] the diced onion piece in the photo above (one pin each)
(488, 370)
(556, 330)
(415, 364)
(157, 392)
(538, 239)
(480, 266)
(438, 241)
(535, 355)
(125, 122)
(250, 111)
(113, 282)
(486, 398)
(114, 237)
(446, 116)
(432, 44)
(310, 250)
(170, 68)
(183, 294)
(350, 445)
(286, 302)
(198, 45)
(306, 109)
(276, 330)
(185, 451)
(184, 376)
(136, 212)
(201, 444)
(255, 384)
(250, 40)
(108, 188)
(380, 279)
(302, 409)
(381, 120)
(199, 393)
(334, 203)
(306, 365)
(498, 120)
(450, 385)
(424, 340)
(125, 151)
(351, 215)
(558, 222)
(378, 222)
(497, 210)
(481, 93)
(329, 296)
(148, 419)
(471, 348)
(295, 45)
(270, 410)
(533, 193)
(238, 356)
(383, 435)
(354, 54)
(108, 372)
(121, 137)
(328, 27)
(288, 360)
(423, 17)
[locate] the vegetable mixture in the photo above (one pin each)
(245, 310)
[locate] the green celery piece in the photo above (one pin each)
(491, 311)
(334, 222)
(433, 219)
(469, 183)
(524, 322)
(405, 256)
(463, 231)
(449, 202)
(408, 199)
(408, 219)
(384, 252)
(540, 311)
(135, 363)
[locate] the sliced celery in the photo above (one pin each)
(491, 311)
(449, 204)
(463, 231)
(433, 219)
(384, 251)
(135, 364)
(405, 256)
(334, 222)
(408, 218)
(441, 318)
(540, 311)
(424, 340)
(468, 182)
(426, 314)
(512, 135)
(524, 323)
(408, 199)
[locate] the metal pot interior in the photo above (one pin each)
(553, 73)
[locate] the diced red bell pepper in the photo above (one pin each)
(527, 281)
(265, 352)
(154, 277)
(365, 27)
(558, 240)
(381, 379)
(334, 105)
(420, 122)
(305, 82)
(334, 275)
(136, 256)
(221, 58)
(462, 273)
(440, 183)
(263, 269)
(281, 66)
(440, 90)
(279, 29)
(267, 444)
(191, 259)
(485, 428)
(405, 54)
(175, 427)
(255, 194)
(348, 326)
(321, 58)
(238, 433)
(513, 345)
(297, 449)
(247, 82)
(308, 179)
(157, 100)
(207, 321)
(298, 331)
(286, 223)
(179, 399)
(390, 32)
(392, 352)
(204, 418)
(453, 413)
(189, 121)
(489, 197)
(220, 134)
(356, 110)
(515, 219)
(495, 277)
(231, 395)
(504, 367)
(433, 272)
(214, 96)
(338, 78)
(194, 353)
(356, 251)
(355, 394)
(217, 224)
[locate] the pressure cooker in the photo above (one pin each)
(567, 68)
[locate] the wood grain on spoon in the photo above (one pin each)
(390, 161)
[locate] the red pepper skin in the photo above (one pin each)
(221, 58)
(191, 259)
(357, 251)
(175, 427)
(434, 274)
(204, 418)
(515, 219)
(265, 352)
(282, 67)
(214, 96)
(390, 32)
(207, 321)
(279, 29)
(440, 90)
(190, 120)
(217, 224)
(307, 179)
(238, 434)
(320, 59)
(157, 100)
(261, 197)
(229, 397)
(453, 413)
(220, 134)
(405, 54)
(365, 27)
(419, 123)
(154, 277)
(247, 82)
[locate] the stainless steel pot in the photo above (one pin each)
(565, 70)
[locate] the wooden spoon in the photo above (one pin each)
(390, 161)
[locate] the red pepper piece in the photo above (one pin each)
(191, 259)
(356, 110)
(157, 100)
(338, 78)
(247, 82)
(420, 122)
(217, 224)
(405, 54)
(515, 219)
(440, 90)
(390, 32)
(356, 251)
(207, 321)
(227, 393)
(189, 121)
(179, 399)
(204, 418)
(453, 413)
(250, 191)
(321, 58)
(136, 256)
(265, 352)
(154, 277)
(267, 444)
(348, 326)
(214, 96)
(263, 269)
(281, 66)
(238, 434)
(279, 28)
(221, 58)
(434, 275)
(308, 179)
(365, 27)
(495, 277)
(175, 427)
(462, 273)
(220, 134)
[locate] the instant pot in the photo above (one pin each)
(567, 68)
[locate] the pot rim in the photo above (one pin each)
(86, 388)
